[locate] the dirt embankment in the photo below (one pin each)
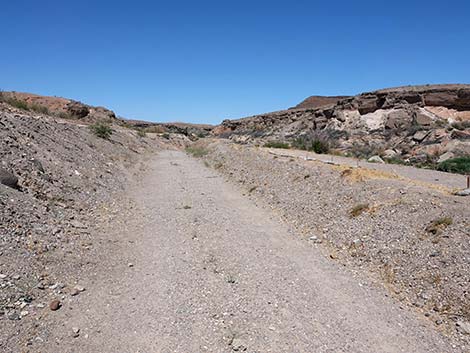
(413, 238)
(58, 180)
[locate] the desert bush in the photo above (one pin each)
(101, 130)
(39, 108)
(141, 133)
(358, 209)
(276, 144)
(196, 151)
(316, 142)
(365, 151)
(436, 226)
(17, 103)
(460, 165)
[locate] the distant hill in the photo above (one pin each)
(319, 101)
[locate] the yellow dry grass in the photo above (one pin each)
(355, 175)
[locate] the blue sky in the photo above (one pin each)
(204, 61)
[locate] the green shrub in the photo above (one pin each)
(141, 133)
(436, 226)
(17, 103)
(101, 130)
(39, 108)
(316, 143)
(276, 144)
(459, 165)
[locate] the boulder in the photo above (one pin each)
(420, 136)
(460, 135)
(376, 159)
(390, 154)
(8, 179)
(77, 110)
(446, 156)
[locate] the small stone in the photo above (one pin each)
(40, 306)
(464, 192)
(76, 290)
(2, 276)
(24, 313)
(75, 332)
(16, 277)
(130, 264)
(54, 305)
(463, 327)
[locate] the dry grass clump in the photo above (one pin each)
(359, 209)
(438, 225)
(363, 174)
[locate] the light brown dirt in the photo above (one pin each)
(195, 266)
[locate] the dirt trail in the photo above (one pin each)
(212, 272)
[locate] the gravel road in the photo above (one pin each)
(201, 268)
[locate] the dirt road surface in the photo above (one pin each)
(201, 268)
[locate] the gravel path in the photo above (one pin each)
(202, 269)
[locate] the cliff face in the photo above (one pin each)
(417, 122)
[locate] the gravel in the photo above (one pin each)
(388, 239)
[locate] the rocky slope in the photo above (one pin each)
(58, 181)
(57, 106)
(416, 123)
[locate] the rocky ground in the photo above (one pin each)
(413, 239)
(58, 182)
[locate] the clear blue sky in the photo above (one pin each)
(203, 61)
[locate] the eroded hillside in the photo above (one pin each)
(416, 124)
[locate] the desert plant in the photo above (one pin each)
(101, 130)
(316, 142)
(39, 108)
(460, 165)
(436, 226)
(358, 209)
(17, 103)
(141, 133)
(196, 151)
(276, 144)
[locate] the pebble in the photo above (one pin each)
(77, 290)
(2, 276)
(75, 332)
(54, 305)
(130, 264)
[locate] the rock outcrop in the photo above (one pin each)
(417, 123)
(60, 107)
